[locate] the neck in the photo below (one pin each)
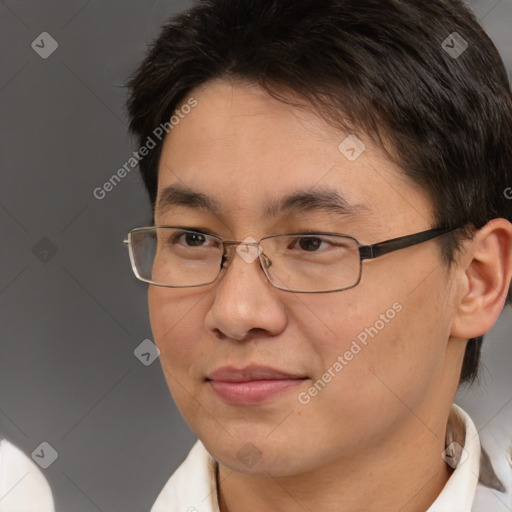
(405, 472)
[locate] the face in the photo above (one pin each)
(341, 371)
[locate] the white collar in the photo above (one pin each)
(23, 487)
(459, 492)
(193, 486)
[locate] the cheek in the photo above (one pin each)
(176, 319)
(378, 351)
(405, 361)
(351, 323)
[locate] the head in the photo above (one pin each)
(265, 94)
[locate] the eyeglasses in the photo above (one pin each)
(178, 257)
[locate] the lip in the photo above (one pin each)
(251, 385)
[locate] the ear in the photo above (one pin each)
(485, 271)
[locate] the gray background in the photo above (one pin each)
(71, 313)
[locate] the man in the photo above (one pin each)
(331, 241)
(23, 487)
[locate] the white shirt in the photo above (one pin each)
(193, 487)
(23, 487)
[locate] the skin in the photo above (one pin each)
(372, 438)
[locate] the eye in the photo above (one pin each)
(192, 239)
(309, 243)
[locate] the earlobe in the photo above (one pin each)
(487, 268)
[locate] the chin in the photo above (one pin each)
(261, 458)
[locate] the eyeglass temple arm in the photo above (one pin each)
(368, 252)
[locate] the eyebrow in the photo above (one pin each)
(321, 199)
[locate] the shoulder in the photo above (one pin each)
(22, 484)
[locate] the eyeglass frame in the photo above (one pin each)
(366, 252)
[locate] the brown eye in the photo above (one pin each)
(193, 239)
(310, 244)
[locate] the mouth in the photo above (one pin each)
(251, 385)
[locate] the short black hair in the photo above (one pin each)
(397, 71)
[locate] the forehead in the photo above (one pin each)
(248, 154)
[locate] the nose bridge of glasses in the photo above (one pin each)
(243, 242)
(247, 256)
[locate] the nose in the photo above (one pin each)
(245, 304)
